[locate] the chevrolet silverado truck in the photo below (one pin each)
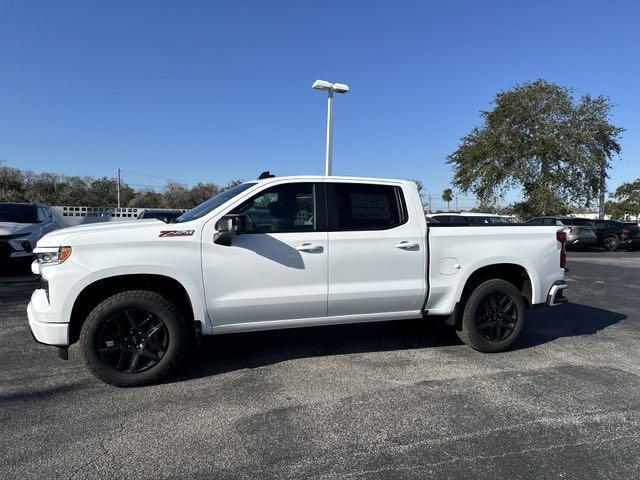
(283, 252)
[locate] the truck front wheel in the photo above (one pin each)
(492, 317)
(133, 338)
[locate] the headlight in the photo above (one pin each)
(53, 257)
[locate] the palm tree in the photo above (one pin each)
(447, 196)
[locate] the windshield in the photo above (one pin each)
(213, 203)
(16, 213)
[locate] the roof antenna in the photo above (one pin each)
(264, 175)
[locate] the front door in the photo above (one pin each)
(277, 269)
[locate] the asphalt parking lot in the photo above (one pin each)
(390, 400)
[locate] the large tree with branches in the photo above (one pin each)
(542, 141)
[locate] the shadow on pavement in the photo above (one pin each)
(16, 283)
(568, 320)
(225, 353)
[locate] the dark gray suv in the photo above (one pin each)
(581, 232)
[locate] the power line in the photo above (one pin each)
(159, 177)
(146, 186)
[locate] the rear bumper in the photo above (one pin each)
(42, 322)
(556, 294)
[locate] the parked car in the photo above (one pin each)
(634, 235)
(281, 253)
(21, 226)
(471, 218)
(612, 234)
(166, 215)
(581, 233)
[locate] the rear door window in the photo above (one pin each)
(358, 206)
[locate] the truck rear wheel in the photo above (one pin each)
(133, 338)
(493, 316)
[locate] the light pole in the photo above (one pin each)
(330, 88)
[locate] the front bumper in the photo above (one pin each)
(556, 294)
(42, 321)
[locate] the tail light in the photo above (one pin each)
(562, 237)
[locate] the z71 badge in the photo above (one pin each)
(176, 233)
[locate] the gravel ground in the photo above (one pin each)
(398, 400)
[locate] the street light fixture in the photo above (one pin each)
(330, 88)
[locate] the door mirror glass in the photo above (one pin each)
(233, 224)
(227, 227)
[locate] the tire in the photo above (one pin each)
(480, 323)
(611, 243)
(129, 323)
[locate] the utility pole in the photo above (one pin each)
(429, 211)
(118, 187)
(456, 197)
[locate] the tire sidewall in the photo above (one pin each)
(142, 300)
(614, 244)
(470, 329)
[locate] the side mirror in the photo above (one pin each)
(227, 227)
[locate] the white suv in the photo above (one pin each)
(21, 226)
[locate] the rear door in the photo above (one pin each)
(377, 254)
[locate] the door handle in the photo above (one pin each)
(309, 247)
(406, 245)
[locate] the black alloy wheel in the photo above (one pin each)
(132, 340)
(496, 317)
(492, 316)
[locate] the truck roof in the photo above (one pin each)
(320, 178)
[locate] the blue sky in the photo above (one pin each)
(218, 90)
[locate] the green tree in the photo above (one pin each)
(447, 196)
(73, 191)
(540, 140)
(11, 184)
(177, 195)
(201, 192)
(626, 201)
(147, 199)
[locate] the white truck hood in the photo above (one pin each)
(11, 228)
(61, 237)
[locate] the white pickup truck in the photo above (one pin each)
(283, 252)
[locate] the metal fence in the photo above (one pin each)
(71, 216)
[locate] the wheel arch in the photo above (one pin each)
(99, 290)
(514, 273)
